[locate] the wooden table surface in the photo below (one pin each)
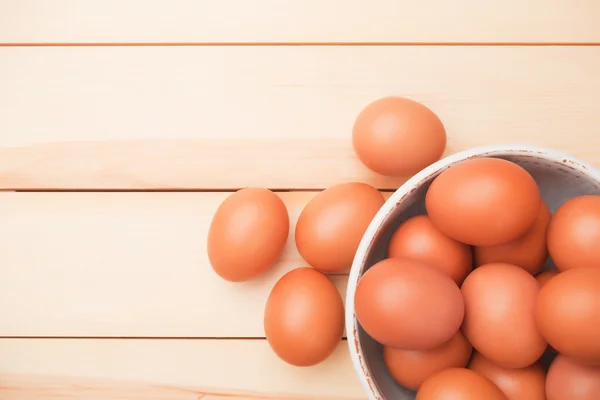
(124, 124)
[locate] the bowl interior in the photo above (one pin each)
(559, 179)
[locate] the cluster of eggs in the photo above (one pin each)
(304, 313)
(463, 296)
(457, 304)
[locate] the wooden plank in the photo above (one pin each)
(228, 117)
(126, 265)
(273, 21)
(100, 369)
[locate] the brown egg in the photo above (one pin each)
(568, 314)
(569, 380)
(500, 315)
(484, 201)
(332, 224)
(527, 383)
(459, 384)
(396, 136)
(247, 234)
(405, 304)
(545, 276)
(411, 367)
(418, 239)
(574, 234)
(304, 317)
(528, 251)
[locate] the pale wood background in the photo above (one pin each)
(109, 295)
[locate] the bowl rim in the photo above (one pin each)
(398, 197)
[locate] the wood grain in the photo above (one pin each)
(107, 369)
(281, 117)
(43, 387)
(273, 21)
(126, 264)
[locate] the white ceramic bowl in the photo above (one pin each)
(559, 176)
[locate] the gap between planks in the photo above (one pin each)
(231, 190)
(133, 338)
(303, 44)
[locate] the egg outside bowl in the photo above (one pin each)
(559, 177)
